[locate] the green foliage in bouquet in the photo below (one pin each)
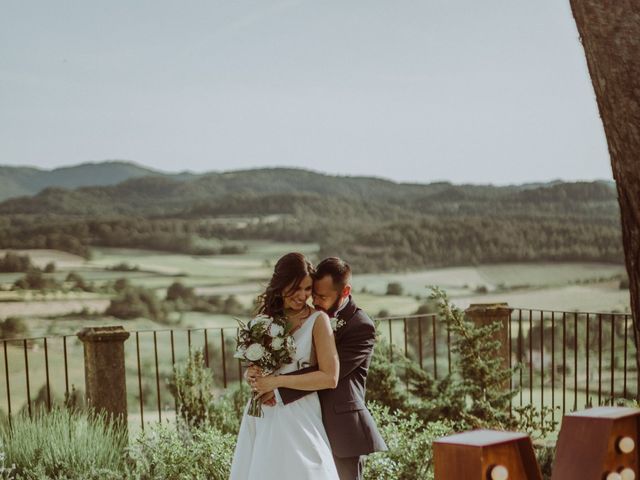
(265, 342)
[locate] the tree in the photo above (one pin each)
(77, 281)
(394, 288)
(609, 32)
(12, 262)
(177, 291)
(14, 327)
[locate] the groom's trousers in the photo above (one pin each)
(349, 468)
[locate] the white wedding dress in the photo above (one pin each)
(289, 442)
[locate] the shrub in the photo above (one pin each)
(383, 383)
(426, 308)
(410, 440)
(232, 306)
(14, 327)
(545, 453)
(35, 280)
(40, 402)
(225, 413)
(394, 288)
(12, 263)
(479, 367)
(472, 396)
(436, 398)
(78, 282)
(177, 291)
(64, 444)
(137, 302)
(201, 445)
(121, 284)
(123, 267)
(74, 400)
(233, 249)
(192, 387)
(166, 453)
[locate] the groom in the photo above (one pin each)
(351, 430)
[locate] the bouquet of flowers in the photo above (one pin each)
(266, 343)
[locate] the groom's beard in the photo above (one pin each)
(331, 311)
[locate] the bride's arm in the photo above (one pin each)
(328, 364)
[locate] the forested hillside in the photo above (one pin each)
(376, 224)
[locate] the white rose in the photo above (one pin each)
(277, 343)
(254, 352)
(275, 330)
(258, 320)
(290, 344)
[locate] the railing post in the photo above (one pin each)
(104, 371)
(482, 314)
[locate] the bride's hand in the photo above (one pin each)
(252, 373)
(263, 385)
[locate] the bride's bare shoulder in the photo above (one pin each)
(321, 317)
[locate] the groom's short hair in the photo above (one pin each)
(339, 270)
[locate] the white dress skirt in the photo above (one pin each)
(289, 442)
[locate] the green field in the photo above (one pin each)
(585, 287)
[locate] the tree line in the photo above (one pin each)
(456, 225)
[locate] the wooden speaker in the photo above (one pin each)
(485, 455)
(599, 443)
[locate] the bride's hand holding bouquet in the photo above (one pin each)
(264, 343)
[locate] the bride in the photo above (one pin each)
(290, 442)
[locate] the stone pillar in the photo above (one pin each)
(482, 314)
(104, 371)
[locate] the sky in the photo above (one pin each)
(417, 91)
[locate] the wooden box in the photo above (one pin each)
(485, 455)
(598, 443)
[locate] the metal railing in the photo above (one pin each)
(224, 367)
(21, 348)
(574, 359)
(561, 359)
(566, 360)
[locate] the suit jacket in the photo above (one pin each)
(351, 429)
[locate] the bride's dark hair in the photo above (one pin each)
(290, 270)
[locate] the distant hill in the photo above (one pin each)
(248, 191)
(22, 181)
(377, 224)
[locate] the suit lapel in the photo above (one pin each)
(346, 314)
